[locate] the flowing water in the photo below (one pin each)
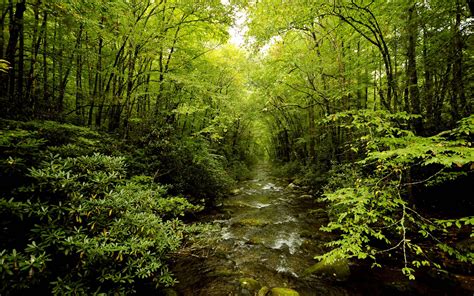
(269, 232)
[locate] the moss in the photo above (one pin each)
(338, 269)
(283, 292)
(249, 284)
(263, 291)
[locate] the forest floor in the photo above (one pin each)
(267, 235)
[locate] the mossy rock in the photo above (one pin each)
(248, 286)
(256, 240)
(283, 292)
(263, 291)
(236, 191)
(338, 269)
(223, 273)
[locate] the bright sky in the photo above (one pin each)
(239, 29)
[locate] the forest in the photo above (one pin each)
(130, 128)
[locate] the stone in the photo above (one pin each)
(263, 291)
(236, 191)
(283, 292)
(338, 269)
(248, 286)
(292, 186)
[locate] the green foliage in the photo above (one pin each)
(92, 225)
(290, 169)
(77, 224)
(372, 208)
(185, 164)
(239, 170)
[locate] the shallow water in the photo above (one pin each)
(270, 232)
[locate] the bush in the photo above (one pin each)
(91, 230)
(73, 222)
(291, 169)
(185, 164)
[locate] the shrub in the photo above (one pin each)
(91, 231)
(73, 222)
(185, 164)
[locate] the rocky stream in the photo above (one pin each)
(267, 239)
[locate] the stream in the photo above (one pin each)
(268, 236)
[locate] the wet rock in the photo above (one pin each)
(292, 186)
(338, 269)
(236, 191)
(283, 292)
(248, 286)
(256, 240)
(263, 291)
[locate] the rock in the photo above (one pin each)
(292, 186)
(338, 269)
(256, 240)
(219, 273)
(248, 286)
(236, 191)
(263, 291)
(283, 292)
(306, 196)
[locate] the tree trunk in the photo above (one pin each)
(79, 94)
(428, 87)
(459, 107)
(412, 77)
(45, 61)
(15, 28)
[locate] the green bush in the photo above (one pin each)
(73, 221)
(185, 164)
(291, 169)
(91, 230)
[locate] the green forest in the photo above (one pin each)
(130, 128)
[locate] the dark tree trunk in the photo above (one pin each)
(414, 92)
(15, 29)
(459, 107)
